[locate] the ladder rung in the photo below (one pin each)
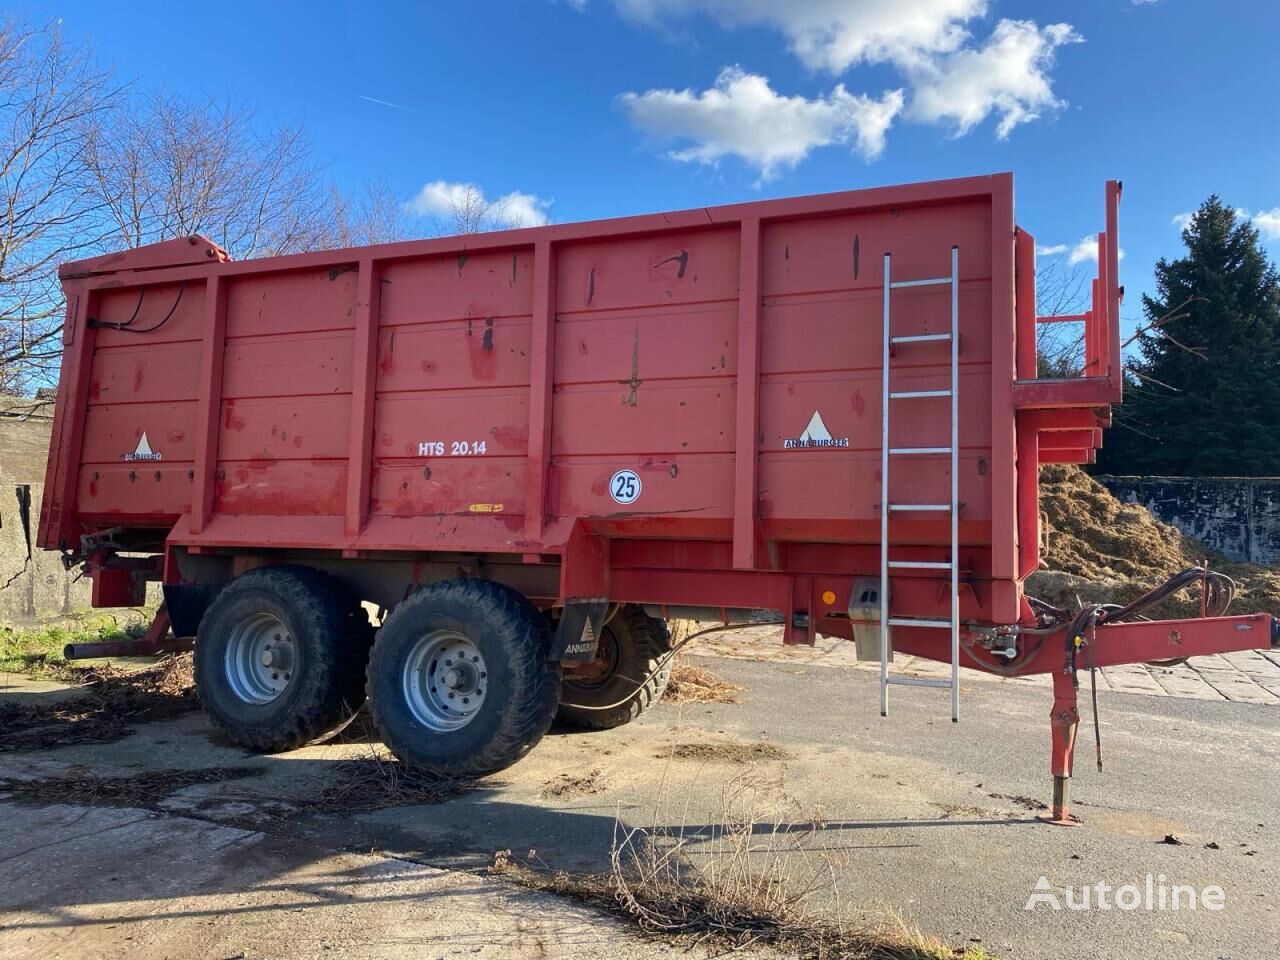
(918, 394)
(907, 451)
(931, 282)
(920, 507)
(919, 682)
(921, 564)
(921, 338)
(917, 622)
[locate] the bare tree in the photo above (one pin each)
(1061, 288)
(169, 168)
(372, 215)
(471, 212)
(50, 95)
(458, 208)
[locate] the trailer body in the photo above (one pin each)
(477, 395)
(680, 410)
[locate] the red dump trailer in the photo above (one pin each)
(532, 447)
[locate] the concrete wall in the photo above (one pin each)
(1236, 516)
(36, 588)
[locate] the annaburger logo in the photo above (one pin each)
(815, 434)
(143, 451)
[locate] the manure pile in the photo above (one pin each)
(1098, 549)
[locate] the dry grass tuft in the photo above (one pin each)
(109, 701)
(691, 683)
(751, 879)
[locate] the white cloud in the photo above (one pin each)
(833, 35)
(1086, 249)
(1055, 250)
(743, 116)
(453, 201)
(1007, 76)
(949, 76)
(1267, 222)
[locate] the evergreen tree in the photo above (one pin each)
(1204, 397)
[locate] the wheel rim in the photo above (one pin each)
(445, 680)
(260, 658)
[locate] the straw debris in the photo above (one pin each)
(145, 790)
(691, 683)
(1099, 550)
(108, 701)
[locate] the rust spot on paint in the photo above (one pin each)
(231, 421)
(428, 366)
(386, 355)
(582, 346)
(510, 437)
(857, 255)
(513, 269)
(633, 398)
(462, 262)
(484, 362)
(297, 442)
(591, 286)
(674, 471)
(982, 466)
(176, 436)
(681, 258)
(786, 252)
(138, 372)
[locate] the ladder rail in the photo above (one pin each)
(884, 500)
(955, 484)
(952, 624)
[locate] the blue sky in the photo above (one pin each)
(592, 108)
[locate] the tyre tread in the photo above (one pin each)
(324, 601)
(652, 639)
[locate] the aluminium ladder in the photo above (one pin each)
(952, 508)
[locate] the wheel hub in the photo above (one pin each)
(599, 671)
(259, 658)
(445, 680)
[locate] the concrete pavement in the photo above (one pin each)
(911, 814)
